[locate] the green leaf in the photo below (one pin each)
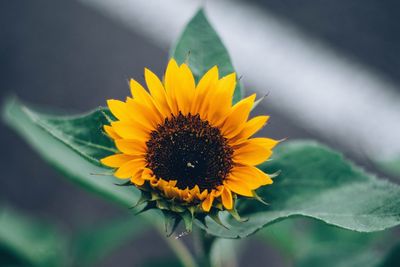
(83, 133)
(93, 244)
(25, 241)
(319, 183)
(200, 46)
(55, 139)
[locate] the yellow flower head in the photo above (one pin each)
(185, 144)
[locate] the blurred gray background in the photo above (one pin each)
(68, 55)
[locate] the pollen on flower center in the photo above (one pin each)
(189, 150)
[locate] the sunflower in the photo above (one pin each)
(184, 144)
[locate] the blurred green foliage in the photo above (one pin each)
(26, 241)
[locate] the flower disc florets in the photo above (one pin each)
(190, 151)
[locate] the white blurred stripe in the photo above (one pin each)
(321, 90)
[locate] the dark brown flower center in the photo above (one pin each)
(189, 150)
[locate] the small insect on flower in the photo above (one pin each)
(185, 146)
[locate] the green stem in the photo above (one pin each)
(202, 245)
(181, 251)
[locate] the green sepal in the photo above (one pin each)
(177, 208)
(258, 101)
(162, 205)
(218, 206)
(236, 215)
(192, 210)
(214, 215)
(148, 206)
(275, 174)
(202, 220)
(259, 199)
(155, 196)
(128, 183)
(144, 197)
(171, 222)
(187, 217)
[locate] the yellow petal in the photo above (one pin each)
(116, 160)
(249, 175)
(167, 192)
(138, 92)
(131, 146)
(148, 174)
(251, 127)
(157, 91)
(171, 192)
(137, 179)
(184, 89)
(260, 141)
(195, 190)
(227, 85)
(119, 109)
(226, 198)
(221, 100)
(187, 77)
(188, 197)
(207, 203)
(207, 82)
(110, 131)
(162, 184)
(130, 130)
(178, 193)
(264, 178)
(184, 194)
(238, 187)
(154, 182)
(130, 168)
(251, 154)
(171, 77)
(217, 191)
(202, 195)
(238, 116)
(143, 114)
(142, 96)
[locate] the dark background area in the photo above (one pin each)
(365, 31)
(62, 54)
